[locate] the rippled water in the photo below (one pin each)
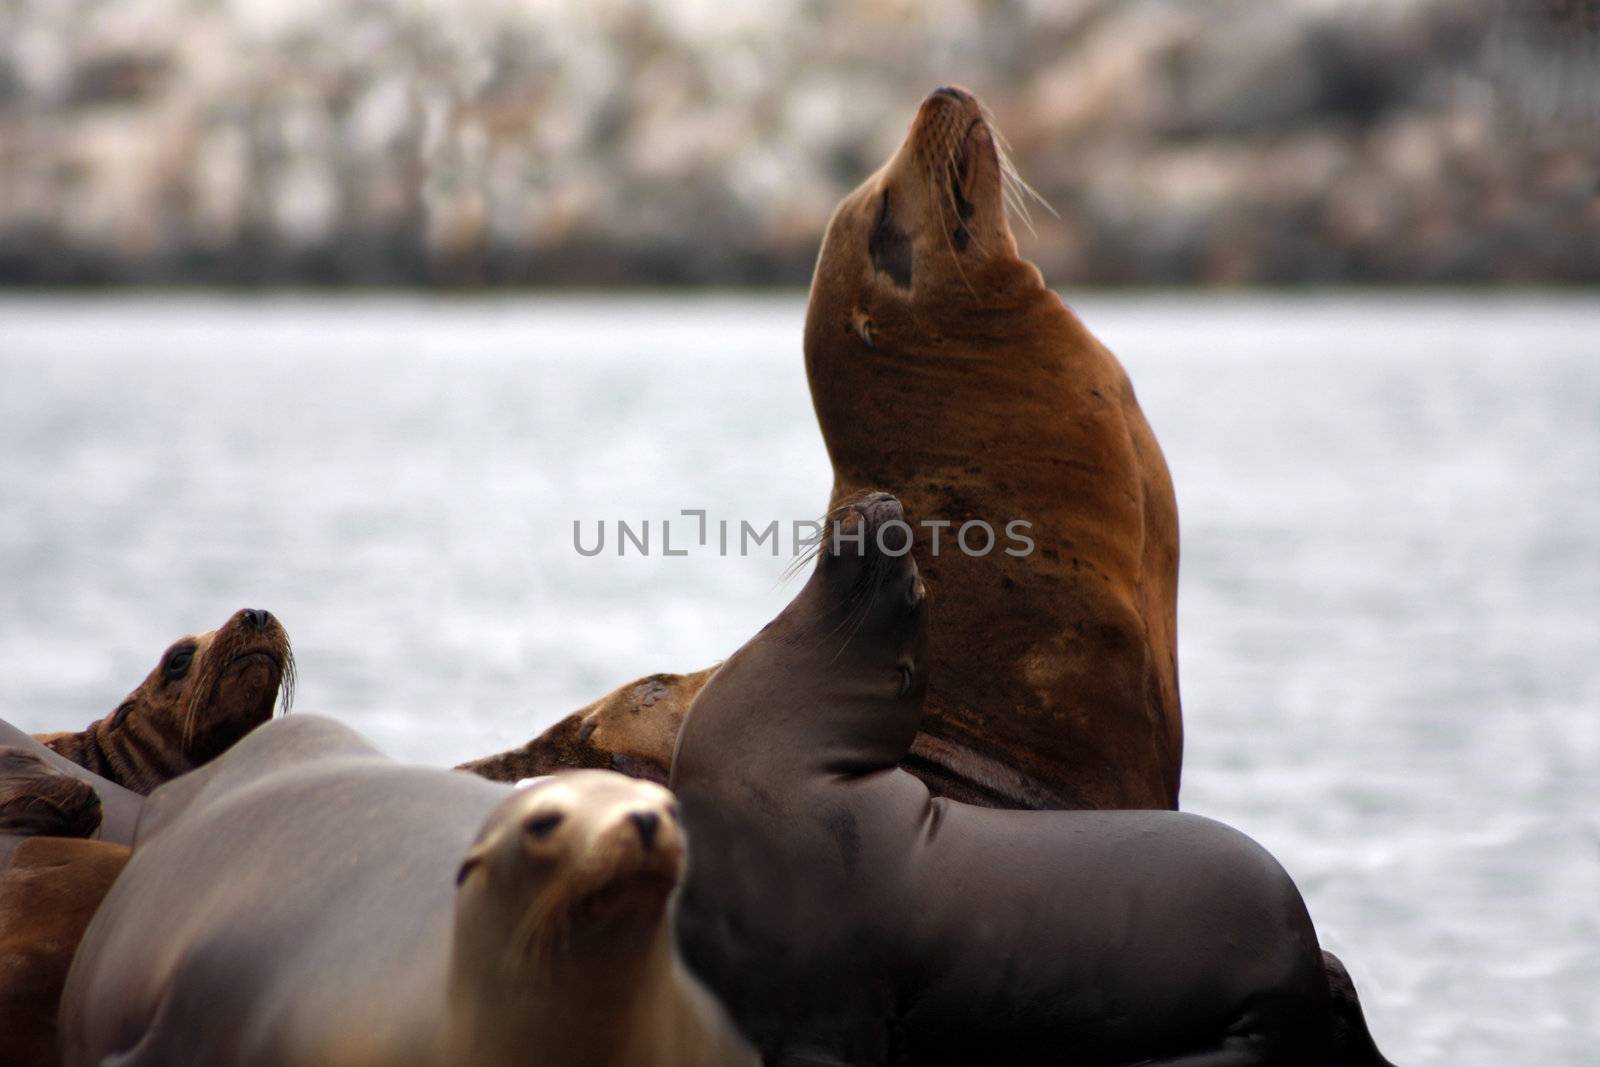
(1390, 608)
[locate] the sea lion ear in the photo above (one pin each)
(467, 866)
(863, 327)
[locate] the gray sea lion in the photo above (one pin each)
(845, 915)
(303, 900)
(207, 691)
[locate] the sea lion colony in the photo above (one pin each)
(837, 886)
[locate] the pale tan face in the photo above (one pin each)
(581, 848)
(922, 231)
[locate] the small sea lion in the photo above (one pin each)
(207, 691)
(631, 729)
(50, 888)
(846, 915)
(944, 370)
(303, 900)
(38, 798)
(118, 807)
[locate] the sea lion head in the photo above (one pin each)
(923, 246)
(577, 864)
(38, 799)
(206, 692)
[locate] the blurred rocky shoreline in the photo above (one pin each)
(628, 142)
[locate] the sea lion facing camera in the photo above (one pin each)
(844, 915)
(943, 369)
(207, 691)
(339, 908)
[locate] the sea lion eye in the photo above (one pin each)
(543, 826)
(178, 663)
(890, 247)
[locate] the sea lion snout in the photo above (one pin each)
(646, 822)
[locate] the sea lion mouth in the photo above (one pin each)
(966, 157)
(643, 889)
(870, 513)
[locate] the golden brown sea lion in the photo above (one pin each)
(50, 888)
(207, 691)
(50, 885)
(943, 369)
(303, 900)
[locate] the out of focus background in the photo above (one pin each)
(277, 330)
(649, 142)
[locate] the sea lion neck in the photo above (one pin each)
(504, 1002)
(835, 682)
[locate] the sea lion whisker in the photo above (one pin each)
(1011, 180)
(944, 226)
(286, 683)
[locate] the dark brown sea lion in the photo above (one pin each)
(631, 729)
(207, 691)
(38, 798)
(845, 915)
(118, 807)
(50, 886)
(943, 369)
(304, 901)
(49, 890)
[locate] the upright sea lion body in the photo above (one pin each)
(303, 900)
(944, 370)
(845, 915)
(207, 691)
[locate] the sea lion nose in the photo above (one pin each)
(959, 95)
(256, 619)
(647, 823)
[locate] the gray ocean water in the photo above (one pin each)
(1390, 605)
